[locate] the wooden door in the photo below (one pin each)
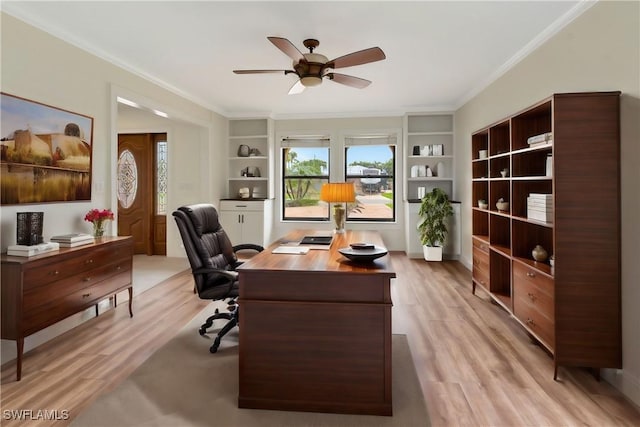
(136, 194)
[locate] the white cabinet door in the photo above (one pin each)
(245, 221)
(252, 227)
(230, 221)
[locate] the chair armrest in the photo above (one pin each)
(231, 275)
(248, 246)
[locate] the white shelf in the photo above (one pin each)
(249, 158)
(428, 133)
(249, 137)
(429, 178)
(429, 157)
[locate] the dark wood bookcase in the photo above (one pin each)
(573, 307)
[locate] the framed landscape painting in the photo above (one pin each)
(45, 153)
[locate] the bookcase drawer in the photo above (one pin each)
(481, 267)
(534, 289)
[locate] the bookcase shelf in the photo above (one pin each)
(557, 179)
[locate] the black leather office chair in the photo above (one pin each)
(213, 262)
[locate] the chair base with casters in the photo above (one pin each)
(233, 318)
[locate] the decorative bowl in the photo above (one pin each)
(482, 204)
(502, 206)
(363, 255)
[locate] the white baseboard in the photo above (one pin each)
(625, 382)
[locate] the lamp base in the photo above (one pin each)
(339, 216)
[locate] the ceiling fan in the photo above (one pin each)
(312, 67)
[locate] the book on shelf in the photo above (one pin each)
(540, 216)
(31, 250)
(541, 196)
(544, 138)
(72, 237)
(77, 243)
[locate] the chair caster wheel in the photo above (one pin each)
(214, 347)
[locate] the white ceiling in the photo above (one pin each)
(439, 54)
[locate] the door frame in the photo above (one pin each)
(149, 105)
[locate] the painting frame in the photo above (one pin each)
(46, 153)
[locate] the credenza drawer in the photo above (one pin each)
(46, 271)
(57, 309)
(36, 296)
(481, 267)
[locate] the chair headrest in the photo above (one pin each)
(203, 216)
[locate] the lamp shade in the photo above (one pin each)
(338, 192)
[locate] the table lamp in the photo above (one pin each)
(338, 193)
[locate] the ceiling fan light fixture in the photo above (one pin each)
(311, 81)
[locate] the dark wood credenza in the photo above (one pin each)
(41, 290)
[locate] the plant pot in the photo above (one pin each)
(432, 253)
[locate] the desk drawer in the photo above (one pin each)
(47, 292)
(70, 264)
(481, 267)
(55, 310)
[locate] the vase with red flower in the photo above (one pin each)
(98, 218)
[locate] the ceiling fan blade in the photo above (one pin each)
(365, 56)
(297, 88)
(287, 47)
(262, 71)
(356, 82)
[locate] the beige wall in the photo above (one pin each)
(42, 68)
(599, 51)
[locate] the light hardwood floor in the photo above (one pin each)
(476, 366)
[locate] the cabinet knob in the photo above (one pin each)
(530, 322)
(483, 247)
(531, 274)
(89, 261)
(531, 296)
(54, 273)
(118, 268)
(86, 279)
(86, 295)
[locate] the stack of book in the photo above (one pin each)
(540, 207)
(73, 239)
(31, 250)
(542, 139)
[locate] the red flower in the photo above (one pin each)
(97, 215)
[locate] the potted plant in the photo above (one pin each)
(435, 208)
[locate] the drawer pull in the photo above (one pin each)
(531, 274)
(531, 296)
(54, 273)
(89, 261)
(86, 295)
(118, 268)
(483, 247)
(86, 279)
(530, 322)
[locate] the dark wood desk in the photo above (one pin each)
(315, 330)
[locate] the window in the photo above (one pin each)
(306, 168)
(161, 177)
(370, 163)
